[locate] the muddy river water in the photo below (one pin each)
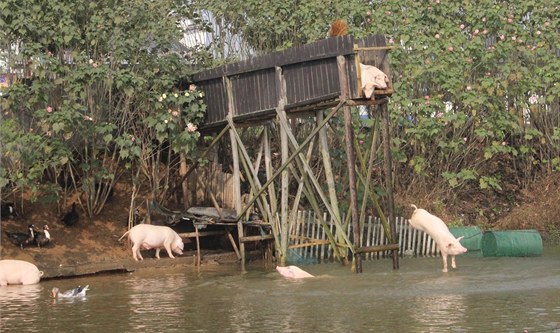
(482, 295)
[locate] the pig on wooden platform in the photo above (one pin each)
(149, 236)
(18, 272)
(438, 230)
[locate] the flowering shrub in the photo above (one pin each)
(477, 86)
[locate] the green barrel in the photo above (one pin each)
(512, 243)
(472, 238)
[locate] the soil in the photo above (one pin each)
(92, 245)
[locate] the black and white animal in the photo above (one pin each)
(79, 291)
(72, 217)
(7, 210)
(42, 237)
(20, 238)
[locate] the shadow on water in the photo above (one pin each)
(482, 295)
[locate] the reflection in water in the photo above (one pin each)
(439, 311)
(498, 295)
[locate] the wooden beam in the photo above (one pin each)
(378, 248)
(256, 238)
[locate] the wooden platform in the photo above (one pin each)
(251, 89)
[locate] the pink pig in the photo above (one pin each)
(293, 272)
(438, 230)
(18, 272)
(149, 236)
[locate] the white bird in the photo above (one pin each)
(79, 291)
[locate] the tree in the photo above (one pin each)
(100, 91)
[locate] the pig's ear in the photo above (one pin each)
(459, 239)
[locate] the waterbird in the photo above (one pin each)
(79, 291)
(20, 238)
(72, 217)
(43, 237)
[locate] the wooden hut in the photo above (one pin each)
(316, 80)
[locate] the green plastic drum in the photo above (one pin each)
(512, 243)
(472, 238)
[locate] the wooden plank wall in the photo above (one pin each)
(211, 179)
(307, 230)
(310, 72)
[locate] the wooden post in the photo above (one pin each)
(236, 173)
(285, 180)
(388, 166)
(351, 157)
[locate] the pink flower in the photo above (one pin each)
(462, 26)
(361, 142)
(437, 36)
(174, 113)
(475, 32)
(427, 97)
(439, 115)
(504, 143)
(132, 138)
(484, 32)
(502, 37)
(368, 13)
(509, 20)
(191, 127)
(88, 118)
(49, 109)
(546, 24)
(450, 49)
(513, 38)
(465, 139)
(538, 32)
(484, 19)
(192, 87)
(94, 65)
(391, 40)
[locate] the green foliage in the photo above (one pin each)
(91, 74)
(476, 86)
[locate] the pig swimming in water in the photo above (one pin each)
(149, 236)
(438, 230)
(18, 272)
(293, 272)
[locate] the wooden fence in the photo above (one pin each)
(308, 240)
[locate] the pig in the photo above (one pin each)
(18, 272)
(438, 230)
(156, 237)
(293, 272)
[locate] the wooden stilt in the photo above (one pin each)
(389, 179)
(351, 160)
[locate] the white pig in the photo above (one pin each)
(438, 230)
(293, 272)
(156, 237)
(18, 272)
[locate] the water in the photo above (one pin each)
(483, 295)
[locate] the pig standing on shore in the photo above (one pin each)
(149, 236)
(438, 230)
(18, 272)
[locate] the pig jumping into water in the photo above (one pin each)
(438, 230)
(293, 272)
(18, 272)
(149, 236)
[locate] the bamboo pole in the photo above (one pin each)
(351, 159)
(236, 173)
(389, 177)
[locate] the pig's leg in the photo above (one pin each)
(136, 252)
(168, 249)
(453, 262)
(444, 257)
(157, 253)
